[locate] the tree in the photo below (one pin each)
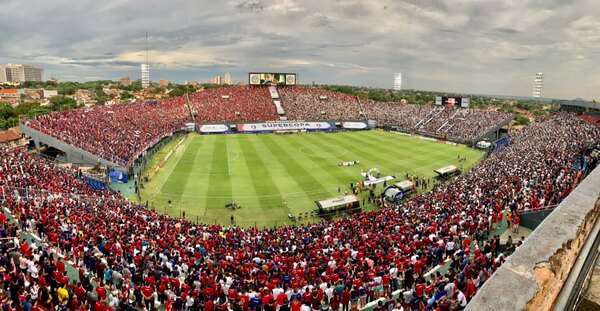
(126, 96)
(8, 123)
(61, 103)
(177, 91)
(522, 120)
(24, 108)
(6, 111)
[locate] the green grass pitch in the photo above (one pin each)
(271, 175)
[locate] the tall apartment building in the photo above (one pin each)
(17, 73)
(397, 81)
(33, 73)
(218, 80)
(145, 75)
(538, 82)
(227, 79)
(2, 74)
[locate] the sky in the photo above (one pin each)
(471, 46)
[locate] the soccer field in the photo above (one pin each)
(271, 176)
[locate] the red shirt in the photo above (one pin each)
(296, 305)
(209, 305)
(101, 292)
(419, 288)
(147, 292)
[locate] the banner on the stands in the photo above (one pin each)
(354, 125)
(283, 126)
(213, 128)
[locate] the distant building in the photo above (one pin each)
(125, 81)
(17, 73)
(145, 75)
(192, 83)
(10, 95)
(164, 82)
(227, 79)
(50, 93)
(33, 73)
(12, 137)
(2, 74)
(85, 97)
(218, 80)
(538, 82)
(34, 94)
(397, 81)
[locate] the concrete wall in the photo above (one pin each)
(533, 219)
(533, 277)
(74, 155)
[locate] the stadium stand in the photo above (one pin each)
(139, 259)
(121, 133)
(439, 121)
(315, 104)
(118, 133)
(234, 104)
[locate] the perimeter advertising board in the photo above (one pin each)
(284, 126)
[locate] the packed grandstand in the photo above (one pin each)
(136, 258)
(121, 133)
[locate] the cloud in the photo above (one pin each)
(492, 47)
(250, 7)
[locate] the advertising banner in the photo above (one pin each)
(213, 128)
(354, 125)
(283, 126)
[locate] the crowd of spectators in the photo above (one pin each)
(118, 133)
(403, 116)
(234, 104)
(461, 123)
(121, 133)
(315, 104)
(140, 259)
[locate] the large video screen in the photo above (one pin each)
(269, 78)
(452, 101)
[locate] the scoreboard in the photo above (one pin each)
(272, 78)
(452, 101)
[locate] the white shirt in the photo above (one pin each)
(462, 299)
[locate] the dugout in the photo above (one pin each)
(447, 172)
(406, 186)
(394, 194)
(341, 203)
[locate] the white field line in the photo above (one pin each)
(177, 163)
(227, 149)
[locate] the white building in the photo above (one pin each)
(145, 75)
(397, 81)
(2, 74)
(538, 82)
(32, 73)
(17, 73)
(227, 79)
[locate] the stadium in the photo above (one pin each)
(290, 193)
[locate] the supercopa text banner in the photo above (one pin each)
(282, 126)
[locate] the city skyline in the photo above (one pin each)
(490, 47)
